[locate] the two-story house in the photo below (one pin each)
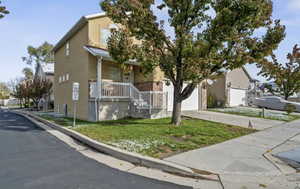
(106, 91)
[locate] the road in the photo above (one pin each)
(31, 158)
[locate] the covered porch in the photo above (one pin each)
(115, 91)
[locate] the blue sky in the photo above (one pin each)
(32, 22)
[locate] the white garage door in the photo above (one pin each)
(189, 104)
(237, 97)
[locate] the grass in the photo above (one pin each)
(156, 138)
(254, 112)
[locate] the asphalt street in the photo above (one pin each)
(31, 158)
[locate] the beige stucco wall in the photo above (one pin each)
(235, 79)
(76, 65)
(217, 89)
(238, 79)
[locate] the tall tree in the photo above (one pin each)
(39, 55)
(210, 36)
(286, 76)
(38, 89)
(3, 11)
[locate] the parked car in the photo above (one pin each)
(275, 103)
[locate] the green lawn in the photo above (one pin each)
(156, 138)
(256, 112)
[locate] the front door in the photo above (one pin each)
(128, 77)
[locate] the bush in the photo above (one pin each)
(212, 102)
(290, 108)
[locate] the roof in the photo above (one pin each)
(42, 70)
(99, 52)
(48, 68)
(95, 51)
(247, 73)
(80, 23)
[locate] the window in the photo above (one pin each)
(63, 78)
(59, 80)
(67, 49)
(67, 77)
(104, 35)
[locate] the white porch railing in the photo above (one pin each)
(142, 99)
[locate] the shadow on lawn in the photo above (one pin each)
(131, 122)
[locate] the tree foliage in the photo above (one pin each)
(32, 90)
(4, 91)
(286, 76)
(39, 55)
(28, 73)
(3, 11)
(210, 36)
(39, 88)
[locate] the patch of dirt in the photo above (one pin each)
(166, 151)
(181, 139)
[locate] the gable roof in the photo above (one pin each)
(247, 73)
(44, 69)
(80, 24)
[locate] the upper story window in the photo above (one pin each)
(67, 48)
(67, 77)
(59, 80)
(104, 35)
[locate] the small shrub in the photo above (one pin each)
(211, 101)
(290, 108)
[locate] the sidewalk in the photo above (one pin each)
(240, 162)
(242, 121)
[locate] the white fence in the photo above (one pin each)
(142, 99)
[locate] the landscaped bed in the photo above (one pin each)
(257, 112)
(155, 138)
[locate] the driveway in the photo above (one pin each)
(241, 162)
(242, 121)
(31, 158)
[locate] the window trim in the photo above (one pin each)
(68, 48)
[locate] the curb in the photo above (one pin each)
(134, 158)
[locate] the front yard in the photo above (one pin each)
(257, 112)
(155, 138)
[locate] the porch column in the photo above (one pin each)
(99, 77)
(98, 86)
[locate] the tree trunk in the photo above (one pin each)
(286, 97)
(176, 115)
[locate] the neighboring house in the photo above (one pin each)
(106, 91)
(46, 71)
(230, 89)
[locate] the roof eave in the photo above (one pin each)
(70, 33)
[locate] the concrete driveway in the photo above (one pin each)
(32, 158)
(242, 121)
(241, 162)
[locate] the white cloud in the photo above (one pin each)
(294, 4)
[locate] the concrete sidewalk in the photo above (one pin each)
(241, 162)
(242, 121)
